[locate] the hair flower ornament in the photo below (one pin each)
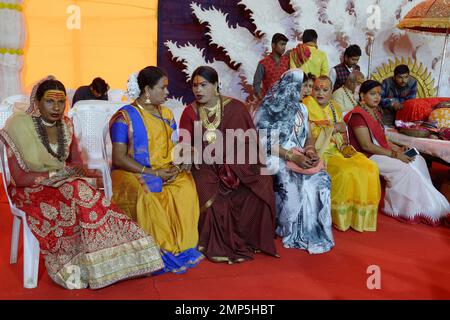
(133, 90)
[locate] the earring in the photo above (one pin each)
(147, 100)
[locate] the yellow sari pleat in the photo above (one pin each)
(355, 182)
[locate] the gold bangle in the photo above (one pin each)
(143, 169)
(288, 155)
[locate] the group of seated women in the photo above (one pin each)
(166, 215)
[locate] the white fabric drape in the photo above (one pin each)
(410, 193)
(12, 36)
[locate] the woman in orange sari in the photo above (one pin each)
(86, 241)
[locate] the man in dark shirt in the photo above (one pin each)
(339, 73)
(396, 90)
(97, 90)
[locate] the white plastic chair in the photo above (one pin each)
(90, 118)
(18, 102)
(115, 95)
(30, 243)
(107, 157)
(6, 110)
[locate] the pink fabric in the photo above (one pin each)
(292, 166)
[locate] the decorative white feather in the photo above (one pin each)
(306, 13)
(193, 58)
(177, 106)
(190, 55)
(269, 18)
(175, 103)
(238, 42)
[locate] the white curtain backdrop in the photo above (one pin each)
(12, 37)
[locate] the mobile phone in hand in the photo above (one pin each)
(411, 152)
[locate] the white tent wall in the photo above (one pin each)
(12, 39)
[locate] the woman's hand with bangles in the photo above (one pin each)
(402, 157)
(311, 154)
(302, 161)
(166, 174)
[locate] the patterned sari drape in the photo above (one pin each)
(86, 240)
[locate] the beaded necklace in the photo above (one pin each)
(333, 111)
(373, 114)
(43, 136)
(350, 97)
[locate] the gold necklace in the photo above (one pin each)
(211, 126)
(142, 108)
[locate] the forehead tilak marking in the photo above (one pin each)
(197, 80)
(54, 94)
(322, 84)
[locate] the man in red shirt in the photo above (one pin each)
(271, 68)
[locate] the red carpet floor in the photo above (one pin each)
(414, 261)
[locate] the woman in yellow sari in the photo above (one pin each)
(161, 197)
(355, 183)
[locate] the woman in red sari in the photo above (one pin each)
(237, 215)
(86, 241)
(410, 194)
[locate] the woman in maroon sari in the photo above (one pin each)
(237, 215)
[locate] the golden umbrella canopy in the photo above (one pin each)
(431, 16)
(428, 16)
